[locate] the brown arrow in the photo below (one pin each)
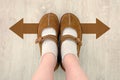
(21, 28)
(97, 28)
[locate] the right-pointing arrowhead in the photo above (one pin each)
(18, 28)
(101, 28)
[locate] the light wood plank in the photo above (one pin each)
(100, 59)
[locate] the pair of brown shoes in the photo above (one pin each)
(67, 20)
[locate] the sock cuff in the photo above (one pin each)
(49, 46)
(68, 47)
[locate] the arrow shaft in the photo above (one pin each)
(30, 28)
(89, 28)
(97, 28)
(86, 28)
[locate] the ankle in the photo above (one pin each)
(68, 47)
(48, 59)
(69, 59)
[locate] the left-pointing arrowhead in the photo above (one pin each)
(101, 28)
(18, 28)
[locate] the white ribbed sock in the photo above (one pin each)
(69, 46)
(49, 45)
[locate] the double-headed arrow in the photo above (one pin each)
(97, 28)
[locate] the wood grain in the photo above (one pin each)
(100, 59)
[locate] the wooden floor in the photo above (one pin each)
(99, 58)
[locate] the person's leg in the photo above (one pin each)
(71, 39)
(72, 68)
(48, 61)
(70, 59)
(47, 38)
(46, 67)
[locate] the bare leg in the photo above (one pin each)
(73, 69)
(45, 70)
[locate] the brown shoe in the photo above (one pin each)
(70, 20)
(48, 20)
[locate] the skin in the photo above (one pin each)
(48, 63)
